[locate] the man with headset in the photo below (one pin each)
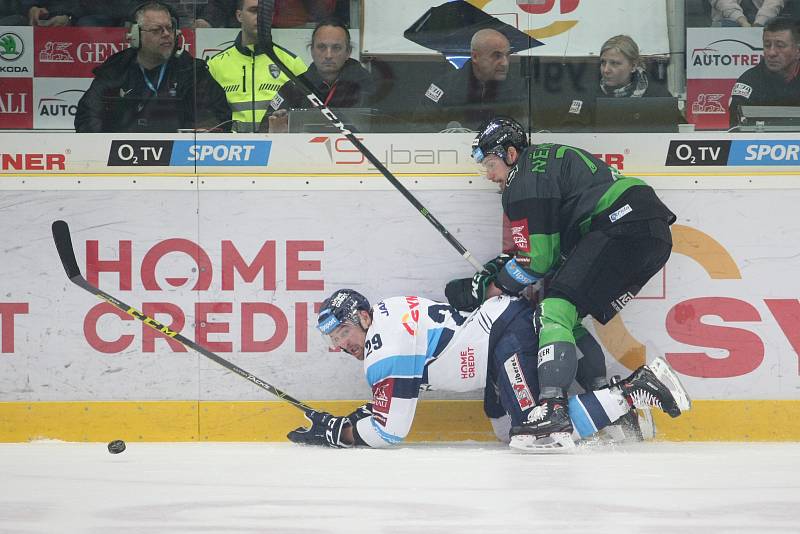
(250, 78)
(152, 86)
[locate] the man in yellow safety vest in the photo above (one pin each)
(248, 76)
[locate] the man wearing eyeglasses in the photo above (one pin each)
(152, 86)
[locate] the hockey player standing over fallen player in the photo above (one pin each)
(466, 294)
(612, 229)
(408, 343)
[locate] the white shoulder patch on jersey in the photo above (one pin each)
(742, 89)
(620, 213)
(276, 102)
(576, 106)
(434, 92)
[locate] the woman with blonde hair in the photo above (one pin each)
(622, 72)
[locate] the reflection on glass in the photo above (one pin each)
(56, 54)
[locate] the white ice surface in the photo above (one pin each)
(672, 488)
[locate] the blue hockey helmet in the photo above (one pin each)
(495, 136)
(342, 306)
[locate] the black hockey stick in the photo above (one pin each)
(265, 9)
(63, 242)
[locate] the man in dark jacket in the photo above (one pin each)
(340, 80)
(483, 88)
(776, 80)
(151, 87)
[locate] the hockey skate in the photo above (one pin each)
(636, 425)
(547, 430)
(655, 385)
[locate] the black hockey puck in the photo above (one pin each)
(116, 446)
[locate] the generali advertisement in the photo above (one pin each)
(242, 274)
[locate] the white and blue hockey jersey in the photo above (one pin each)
(414, 342)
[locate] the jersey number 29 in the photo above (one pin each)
(372, 344)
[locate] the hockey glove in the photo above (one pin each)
(325, 429)
(466, 294)
(514, 276)
(360, 413)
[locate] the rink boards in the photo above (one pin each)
(234, 241)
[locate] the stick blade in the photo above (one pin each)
(63, 242)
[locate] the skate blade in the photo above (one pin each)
(646, 424)
(612, 434)
(556, 443)
(664, 372)
(621, 432)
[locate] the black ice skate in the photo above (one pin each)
(636, 425)
(655, 385)
(548, 429)
(629, 423)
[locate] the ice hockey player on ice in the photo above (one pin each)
(408, 343)
(613, 231)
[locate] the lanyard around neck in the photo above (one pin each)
(331, 92)
(160, 78)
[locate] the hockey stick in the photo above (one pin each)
(265, 9)
(63, 242)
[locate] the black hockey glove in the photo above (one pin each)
(325, 429)
(515, 276)
(466, 294)
(360, 413)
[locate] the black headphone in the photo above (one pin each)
(134, 34)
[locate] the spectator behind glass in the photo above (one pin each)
(744, 13)
(150, 87)
(250, 78)
(622, 72)
(340, 80)
(104, 13)
(11, 13)
(483, 88)
(775, 81)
